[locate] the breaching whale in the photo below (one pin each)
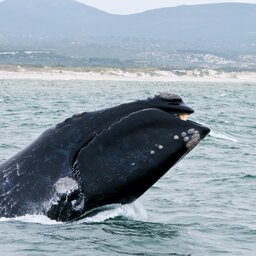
(98, 158)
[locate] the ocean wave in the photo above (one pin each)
(249, 176)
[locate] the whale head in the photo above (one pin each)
(93, 159)
(127, 156)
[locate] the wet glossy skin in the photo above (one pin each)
(98, 158)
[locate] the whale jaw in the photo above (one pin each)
(126, 159)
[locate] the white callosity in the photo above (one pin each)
(159, 146)
(195, 139)
(183, 134)
(66, 185)
(67, 195)
(169, 96)
(190, 131)
(186, 139)
(191, 137)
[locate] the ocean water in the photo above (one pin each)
(205, 205)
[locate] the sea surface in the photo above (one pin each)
(205, 205)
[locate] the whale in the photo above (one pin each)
(94, 159)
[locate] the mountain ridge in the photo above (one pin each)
(33, 15)
(76, 30)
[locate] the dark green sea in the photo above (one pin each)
(205, 205)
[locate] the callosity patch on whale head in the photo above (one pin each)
(67, 201)
(66, 185)
(193, 135)
(171, 103)
(169, 96)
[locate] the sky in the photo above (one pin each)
(135, 6)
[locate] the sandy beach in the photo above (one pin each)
(110, 74)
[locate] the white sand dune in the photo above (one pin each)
(109, 74)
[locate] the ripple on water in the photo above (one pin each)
(204, 206)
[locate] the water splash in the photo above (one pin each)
(39, 219)
(133, 211)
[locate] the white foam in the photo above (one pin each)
(133, 211)
(40, 219)
(8, 53)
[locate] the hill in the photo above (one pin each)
(76, 34)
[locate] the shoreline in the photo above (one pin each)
(115, 74)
